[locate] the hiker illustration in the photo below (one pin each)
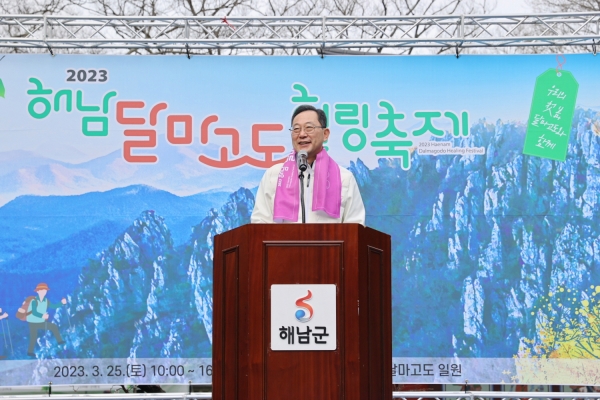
(3, 343)
(34, 311)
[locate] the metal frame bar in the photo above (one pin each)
(395, 395)
(302, 32)
(494, 395)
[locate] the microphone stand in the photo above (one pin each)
(301, 176)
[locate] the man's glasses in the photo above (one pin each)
(308, 129)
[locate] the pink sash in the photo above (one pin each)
(327, 192)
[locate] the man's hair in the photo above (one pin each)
(307, 107)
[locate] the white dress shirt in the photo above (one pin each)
(352, 209)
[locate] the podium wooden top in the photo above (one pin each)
(294, 231)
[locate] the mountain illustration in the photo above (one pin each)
(68, 253)
(29, 223)
(15, 160)
(144, 297)
(26, 173)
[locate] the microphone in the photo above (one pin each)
(303, 166)
(303, 163)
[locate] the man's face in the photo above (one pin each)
(42, 293)
(312, 142)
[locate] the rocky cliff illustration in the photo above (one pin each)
(143, 297)
(480, 243)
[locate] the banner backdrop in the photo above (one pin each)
(116, 172)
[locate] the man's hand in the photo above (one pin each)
(45, 316)
(64, 301)
(2, 316)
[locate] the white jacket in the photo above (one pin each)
(352, 210)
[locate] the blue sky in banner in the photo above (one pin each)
(247, 90)
(244, 90)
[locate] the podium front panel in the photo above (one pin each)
(249, 260)
(303, 374)
(231, 330)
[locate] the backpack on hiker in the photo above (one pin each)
(22, 312)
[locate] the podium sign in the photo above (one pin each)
(303, 317)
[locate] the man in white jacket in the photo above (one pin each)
(329, 196)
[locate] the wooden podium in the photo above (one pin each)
(249, 259)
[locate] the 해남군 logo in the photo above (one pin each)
(303, 317)
(304, 308)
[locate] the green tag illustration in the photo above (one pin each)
(2, 90)
(551, 115)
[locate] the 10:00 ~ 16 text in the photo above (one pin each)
(131, 370)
